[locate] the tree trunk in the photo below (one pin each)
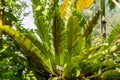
(103, 22)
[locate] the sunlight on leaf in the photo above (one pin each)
(63, 8)
(83, 4)
(4, 48)
(80, 4)
(53, 78)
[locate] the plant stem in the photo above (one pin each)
(103, 22)
(116, 3)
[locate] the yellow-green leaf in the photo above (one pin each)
(83, 4)
(63, 8)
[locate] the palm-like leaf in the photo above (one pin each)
(28, 47)
(62, 44)
(43, 29)
(78, 59)
(74, 37)
(91, 24)
(58, 31)
(113, 35)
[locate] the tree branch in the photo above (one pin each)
(116, 3)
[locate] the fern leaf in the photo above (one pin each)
(78, 59)
(44, 48)
(28, 47)
(111, 74)
(90, 25)
(41, 22)
(75, 42)
(114, 34)
(59, 37)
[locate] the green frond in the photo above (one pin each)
(76, 60)
(89, 27)
(58, 30)
(91, 24)
(29, 48)
(40, 45)
(114, 34)
(74, 40)
(82, 20)
(111, 75)
(33, 36)
(41, 21)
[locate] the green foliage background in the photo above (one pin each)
(70, 48)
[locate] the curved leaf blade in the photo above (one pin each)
(28, 47)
